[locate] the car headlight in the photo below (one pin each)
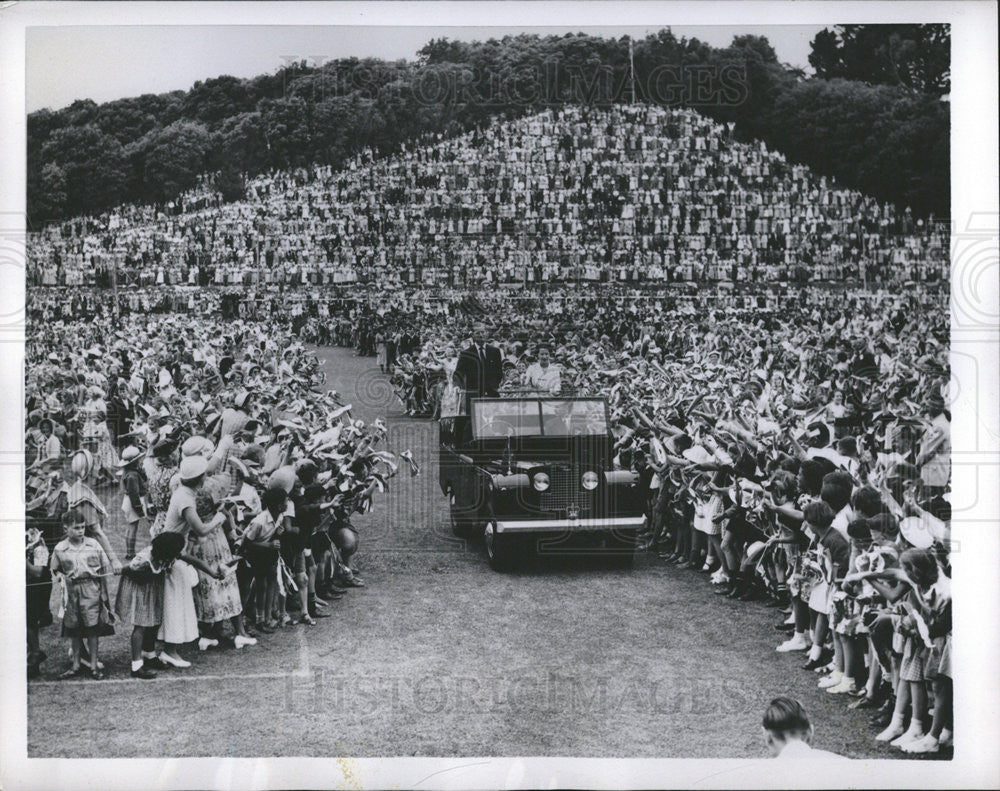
(540, 480)
(589, 480)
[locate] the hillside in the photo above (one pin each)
(890, 141)
(623, 193)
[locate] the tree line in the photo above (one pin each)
(874, 117)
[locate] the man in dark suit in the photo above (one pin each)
(479, 369)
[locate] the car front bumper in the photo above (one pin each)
(505, 526)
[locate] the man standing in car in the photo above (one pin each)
(478, 372)
(480, 367)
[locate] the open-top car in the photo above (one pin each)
(536, 474)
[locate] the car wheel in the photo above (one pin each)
(499, 548)
(462, 519)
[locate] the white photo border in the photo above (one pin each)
(976, 434)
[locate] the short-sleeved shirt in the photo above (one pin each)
(843, 518)
(263, 527)
(82, 561)
(308, 514)
(182, 498)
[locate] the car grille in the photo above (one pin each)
(563, 491)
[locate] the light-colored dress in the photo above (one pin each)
(215, 600)
(380, 352)
(705, 513)
(97, 437)
(452, 402)
(180, 621)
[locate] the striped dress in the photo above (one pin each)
(140, 592)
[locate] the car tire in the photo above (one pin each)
(499, 548)
(621, 546)
(463, 520)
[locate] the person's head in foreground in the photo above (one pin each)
(786, 725)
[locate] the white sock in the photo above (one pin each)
(136, 664)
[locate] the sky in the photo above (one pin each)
(103, 63)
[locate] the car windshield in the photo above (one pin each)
(539, 417)
(506, 419)
(573, 417)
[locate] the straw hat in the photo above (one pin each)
(130, 455)
(82, 463)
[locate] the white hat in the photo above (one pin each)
(193, 467)
(915, 531)
(283, 478)
(196, 446)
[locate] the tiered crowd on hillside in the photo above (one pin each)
(626, 194)
(232, 474)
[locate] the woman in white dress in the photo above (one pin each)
(451, 393)
(180, 621)
(543, 376)
(380, 352)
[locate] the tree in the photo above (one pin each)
(172, 159)
(881, 140)
(239, 141)
(214, 100)
(47, 197)
(916, 57)
(285, 125)
(126, 119)
(441, 50)
(93, 168)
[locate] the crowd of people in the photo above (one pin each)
(785, 408)
(231, 472)
(799, 455)
(624, 194)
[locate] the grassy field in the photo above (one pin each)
(438, 655)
